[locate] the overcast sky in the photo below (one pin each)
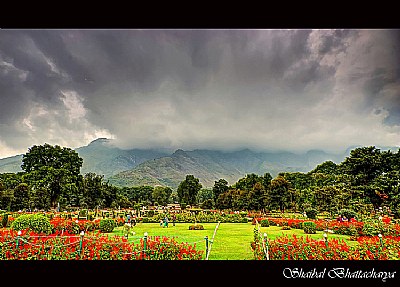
(217, 89)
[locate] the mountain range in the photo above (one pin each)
(133, 167)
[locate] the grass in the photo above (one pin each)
(231, 242)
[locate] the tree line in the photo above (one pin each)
(367, 179)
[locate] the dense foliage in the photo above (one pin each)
(365, 181)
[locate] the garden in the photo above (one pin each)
(217, 236)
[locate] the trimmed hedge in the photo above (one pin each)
(309, 227)
(107, 225)
(38, 223)
(196, 227)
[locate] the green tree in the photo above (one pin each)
(220, 187)
(364, 164)
(188, 189)
(161, 195)
(21, 197)
(279, 195)
(52, 167)
(256, 197)
(93, 190)
(248, 182)
(40, 199)
(327, 167)
(205, 194)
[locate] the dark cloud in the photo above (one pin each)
(272, 89)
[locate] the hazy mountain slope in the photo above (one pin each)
(210, 166)
(100, 156)
(161, 167)
(11, 164)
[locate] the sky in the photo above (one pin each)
(225, 89)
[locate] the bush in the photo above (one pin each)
(348, 213)
(286, 227)
(311, 213)
(196, 227)
(91, 216)
(150, 213)
(38, 223)
(370, 229)
(273, 223)
(107, 225)
(264, 223)
(83, 214)
(4, 220)
(309, 227)
(21, 222)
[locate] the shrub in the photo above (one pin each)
(90, 216)
(150, 213)
(311, 213)
(273, 223)
(309, 227)
(21, 222)
(348, 213)
(286, 227)
(83, 214)
(4, 220)
(145, 220)
(107, 225)
(196, 227)
(264, 223)
(370, 229)
(40, 223)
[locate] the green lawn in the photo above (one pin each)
(231, 242)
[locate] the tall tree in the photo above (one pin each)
(220, 186)
(188, 189)
(52, 167)
(161, 195)
(279, 195)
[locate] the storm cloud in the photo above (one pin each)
(223, 89)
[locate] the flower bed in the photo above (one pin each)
(32, 246)
(354, 229)
(305, 248)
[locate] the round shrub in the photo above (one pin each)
(264, 223)
(4, 220)
(40, 223)
(107, 225)
(196, 227)
(311, 213)
(348, 213)
(309, 227)
(150, 213)
(370, 229)
(21, 222)
(272, 223)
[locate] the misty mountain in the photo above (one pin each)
(133, 167)
(11, 164)
(209, 166)
(100, 156)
